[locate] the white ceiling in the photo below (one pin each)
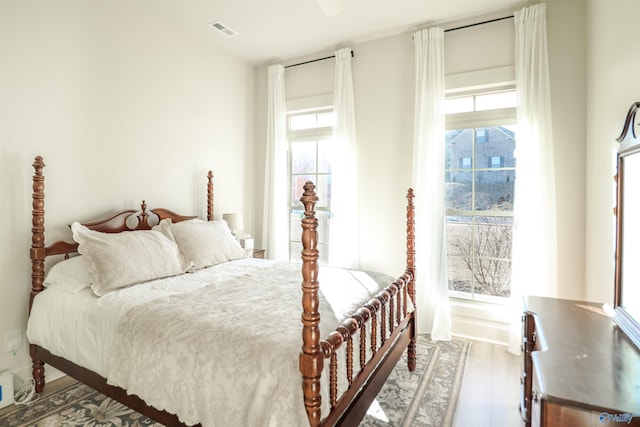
(270, 30)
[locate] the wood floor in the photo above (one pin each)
(490, 389)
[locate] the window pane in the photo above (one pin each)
(295, 233)
(499, 143)
(303, 121)
(494, 190)
(295, 225)
(459, 231)
(492, 277)
(459, 274)
(326, 152)
(458, 145)
(493, 101)
(303, 157)
(323, 227)
(297, 187)
(492, 237)
(458, 191)
(503, 144)
(450, 135)
(459, 104)
(326, 119)
(492, 255)
(323, 189)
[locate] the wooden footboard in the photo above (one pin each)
(386, 317)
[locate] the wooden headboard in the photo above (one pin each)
(126, 220)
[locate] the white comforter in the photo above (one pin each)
(218, 347)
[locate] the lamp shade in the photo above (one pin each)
(234, 220)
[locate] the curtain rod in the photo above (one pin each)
(314, 60)
(450, 29)
(480, 23)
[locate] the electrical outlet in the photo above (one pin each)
(13, 341)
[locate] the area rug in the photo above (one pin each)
(426, 397)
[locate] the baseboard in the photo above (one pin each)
(23, 375)
(480, 321)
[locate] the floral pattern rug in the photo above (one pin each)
(426, 397)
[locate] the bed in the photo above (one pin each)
(190, 333)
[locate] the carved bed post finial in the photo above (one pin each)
(311, 357)
(411, 268)
(210, 196)
(143, 218)
(37, 254)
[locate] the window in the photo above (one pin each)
(496, 162)
(310, 154)
(481, 102)
(479, 182)
(481, 135)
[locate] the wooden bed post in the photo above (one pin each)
(210, 196)
(311, 357)
(37, 254)
(38, 251)
(411, 268)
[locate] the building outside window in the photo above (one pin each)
(310, 153)
(479, 192)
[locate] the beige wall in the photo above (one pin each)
(123, 106)
(566, 31)
(613, 80)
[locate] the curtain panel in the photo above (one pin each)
(534, 257)
(434, 313)
(344, 233)
(275, 229)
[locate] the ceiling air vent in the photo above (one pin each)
(217, 25)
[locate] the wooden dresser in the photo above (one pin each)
(579, 369)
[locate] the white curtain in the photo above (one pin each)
(275, 229)
(534, 263)
(344, 233)
(433, 311)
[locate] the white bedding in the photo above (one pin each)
(95, 333)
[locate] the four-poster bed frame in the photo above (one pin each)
(384, 327)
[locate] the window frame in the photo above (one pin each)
(484, 119)
(324, 212)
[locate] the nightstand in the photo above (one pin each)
(257, 253)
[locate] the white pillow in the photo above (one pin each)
(70, 275)
(116, 260)
(204, 243)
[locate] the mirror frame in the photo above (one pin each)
(629, 145)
